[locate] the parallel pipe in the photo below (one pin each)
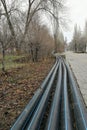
(66, 120)
(38, 115)
(53, 119)
(79, 107)
(29, 109)
(32, 115)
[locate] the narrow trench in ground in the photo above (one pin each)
(46, 114)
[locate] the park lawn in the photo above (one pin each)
(18, 86)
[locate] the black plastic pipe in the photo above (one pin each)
(66, 119)
(29, 109)
(38, 115)
(31, 117)
(80, 111)
(53, 119)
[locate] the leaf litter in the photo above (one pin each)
(17, 88)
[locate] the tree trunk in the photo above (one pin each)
(36, 55)
(55, 43)
(75, 47)
(3, 60)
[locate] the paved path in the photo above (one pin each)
(78, 63)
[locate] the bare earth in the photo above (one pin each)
(78, 62)
(17, 87)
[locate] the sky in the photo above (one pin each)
(77, 15)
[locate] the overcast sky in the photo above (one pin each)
(77, 14)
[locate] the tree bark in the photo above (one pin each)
(3, 59)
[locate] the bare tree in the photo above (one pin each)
(21, 19)
(33, 7)
(5, 40)
(78, 43)
(7, 14)
(38, 42)
(38, 37)
(76, 38)
(85, 32)
(56, 8)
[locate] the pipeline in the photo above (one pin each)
(66, 120)
(79, 106)
(38, 115)
(53, 119)
(29, 109)
(60, 111)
